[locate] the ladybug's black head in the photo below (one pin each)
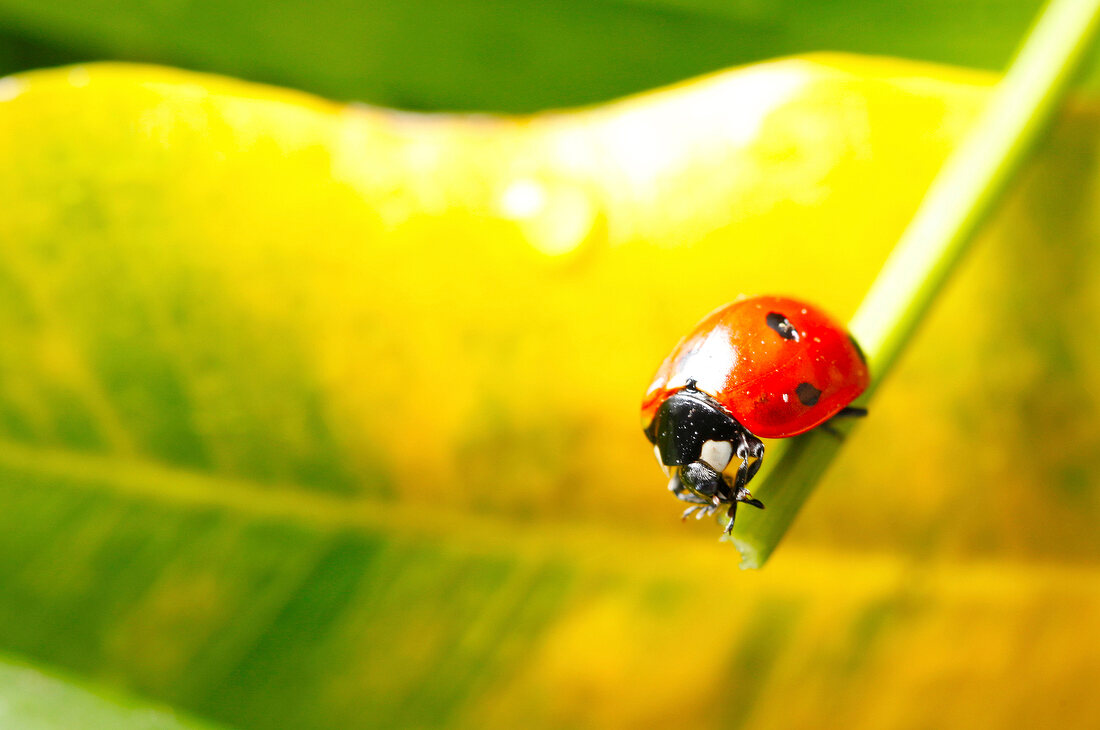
(697, 438)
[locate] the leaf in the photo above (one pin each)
(326, 417)
(474, 55)
(32, 700)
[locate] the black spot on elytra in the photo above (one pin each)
(807, 394)
(859, 350)
(782, 325)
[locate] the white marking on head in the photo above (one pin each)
(664, 467)
(717, 454)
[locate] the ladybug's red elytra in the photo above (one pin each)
(759, 367)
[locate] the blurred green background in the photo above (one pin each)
(318, 416)
(495, 55)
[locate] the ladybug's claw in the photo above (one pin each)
(731, 513)
(744, 496)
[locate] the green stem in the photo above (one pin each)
(959, 200)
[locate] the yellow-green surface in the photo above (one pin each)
(326, 417)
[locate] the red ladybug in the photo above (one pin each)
(766, 367)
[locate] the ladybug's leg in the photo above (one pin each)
(848, 412)
(703, 510)
(706, 511)
(755, 451)
(732, 514)
(746, 450)
(751, 455)
(851, 412)
(705, 507)
(684, 494)
(702, 484)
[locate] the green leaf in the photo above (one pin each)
(326, 417)
(476, 55)
(33, 700)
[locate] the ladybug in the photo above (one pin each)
(759, 367)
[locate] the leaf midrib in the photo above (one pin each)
(619, 550)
